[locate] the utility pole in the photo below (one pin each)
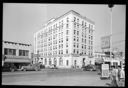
(110, 6)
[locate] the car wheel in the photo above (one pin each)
(12, 70)
(24, 69)
(36, 69)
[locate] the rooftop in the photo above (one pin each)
(71, 11)
(17, 43)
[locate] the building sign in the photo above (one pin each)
(105, 70)
(105, 42)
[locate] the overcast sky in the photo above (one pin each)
(22, 20)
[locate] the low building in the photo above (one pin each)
(16, 53)
(101, 57)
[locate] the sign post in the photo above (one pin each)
(105, 71)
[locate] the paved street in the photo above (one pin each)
(53, 77)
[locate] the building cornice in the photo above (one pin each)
(10, 42)
(71, 11)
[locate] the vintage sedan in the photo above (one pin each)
(89, 68)
(31, 67)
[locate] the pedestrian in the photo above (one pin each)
(114, 76)
(121, 76)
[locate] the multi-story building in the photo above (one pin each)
(66, 41)
(16, 53)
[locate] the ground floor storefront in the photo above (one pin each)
(66, 61)
(11, 64)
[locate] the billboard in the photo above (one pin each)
(105, 42)
(105, 70)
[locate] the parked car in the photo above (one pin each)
(89, 68)
(42, 66)
(53, 66)
(31, 67)
(9, 67)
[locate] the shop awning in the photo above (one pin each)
(18, 60)
(99, 61)
(8, 60)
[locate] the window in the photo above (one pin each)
(91, 47)
(82, 52)
(49, 61)
(67, 25)
(85, 40)
(82, 46)
(45, 61)
(74, 19)
(61, 51)
(74, 31)
(66, 38)
(74, 44)
(85, 25)
(74, 51)
(8, 51)
(74, 25)
(77, 39)
(91, 37)
(85, 47)
(88, 47)
(82, 23)
(77, 52)
(23, 52)
(77, 32)
(74, 38)
(67, 32)
(20, 53)
(55, 61)
(77, 45)
(67, 19)
(77, 25)
(66, 44)
(82, 40)
(91, 42)
(66, 51)
(77, 20)
(67, 62)
(60, 61)
(89, 30)
(62, 22)
(5, 51)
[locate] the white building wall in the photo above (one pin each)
(70, 41)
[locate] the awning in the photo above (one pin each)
(17, 60)
(99, 61)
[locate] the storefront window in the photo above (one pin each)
(49, 61)
(5, 51)
(67, 62)
(45, 61)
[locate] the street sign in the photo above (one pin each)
(105, 42)
(105, 71)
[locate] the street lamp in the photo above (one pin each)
(110, 6)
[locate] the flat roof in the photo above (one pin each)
(71, 11)
(17, 43)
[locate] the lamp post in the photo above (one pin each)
(110, 6)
